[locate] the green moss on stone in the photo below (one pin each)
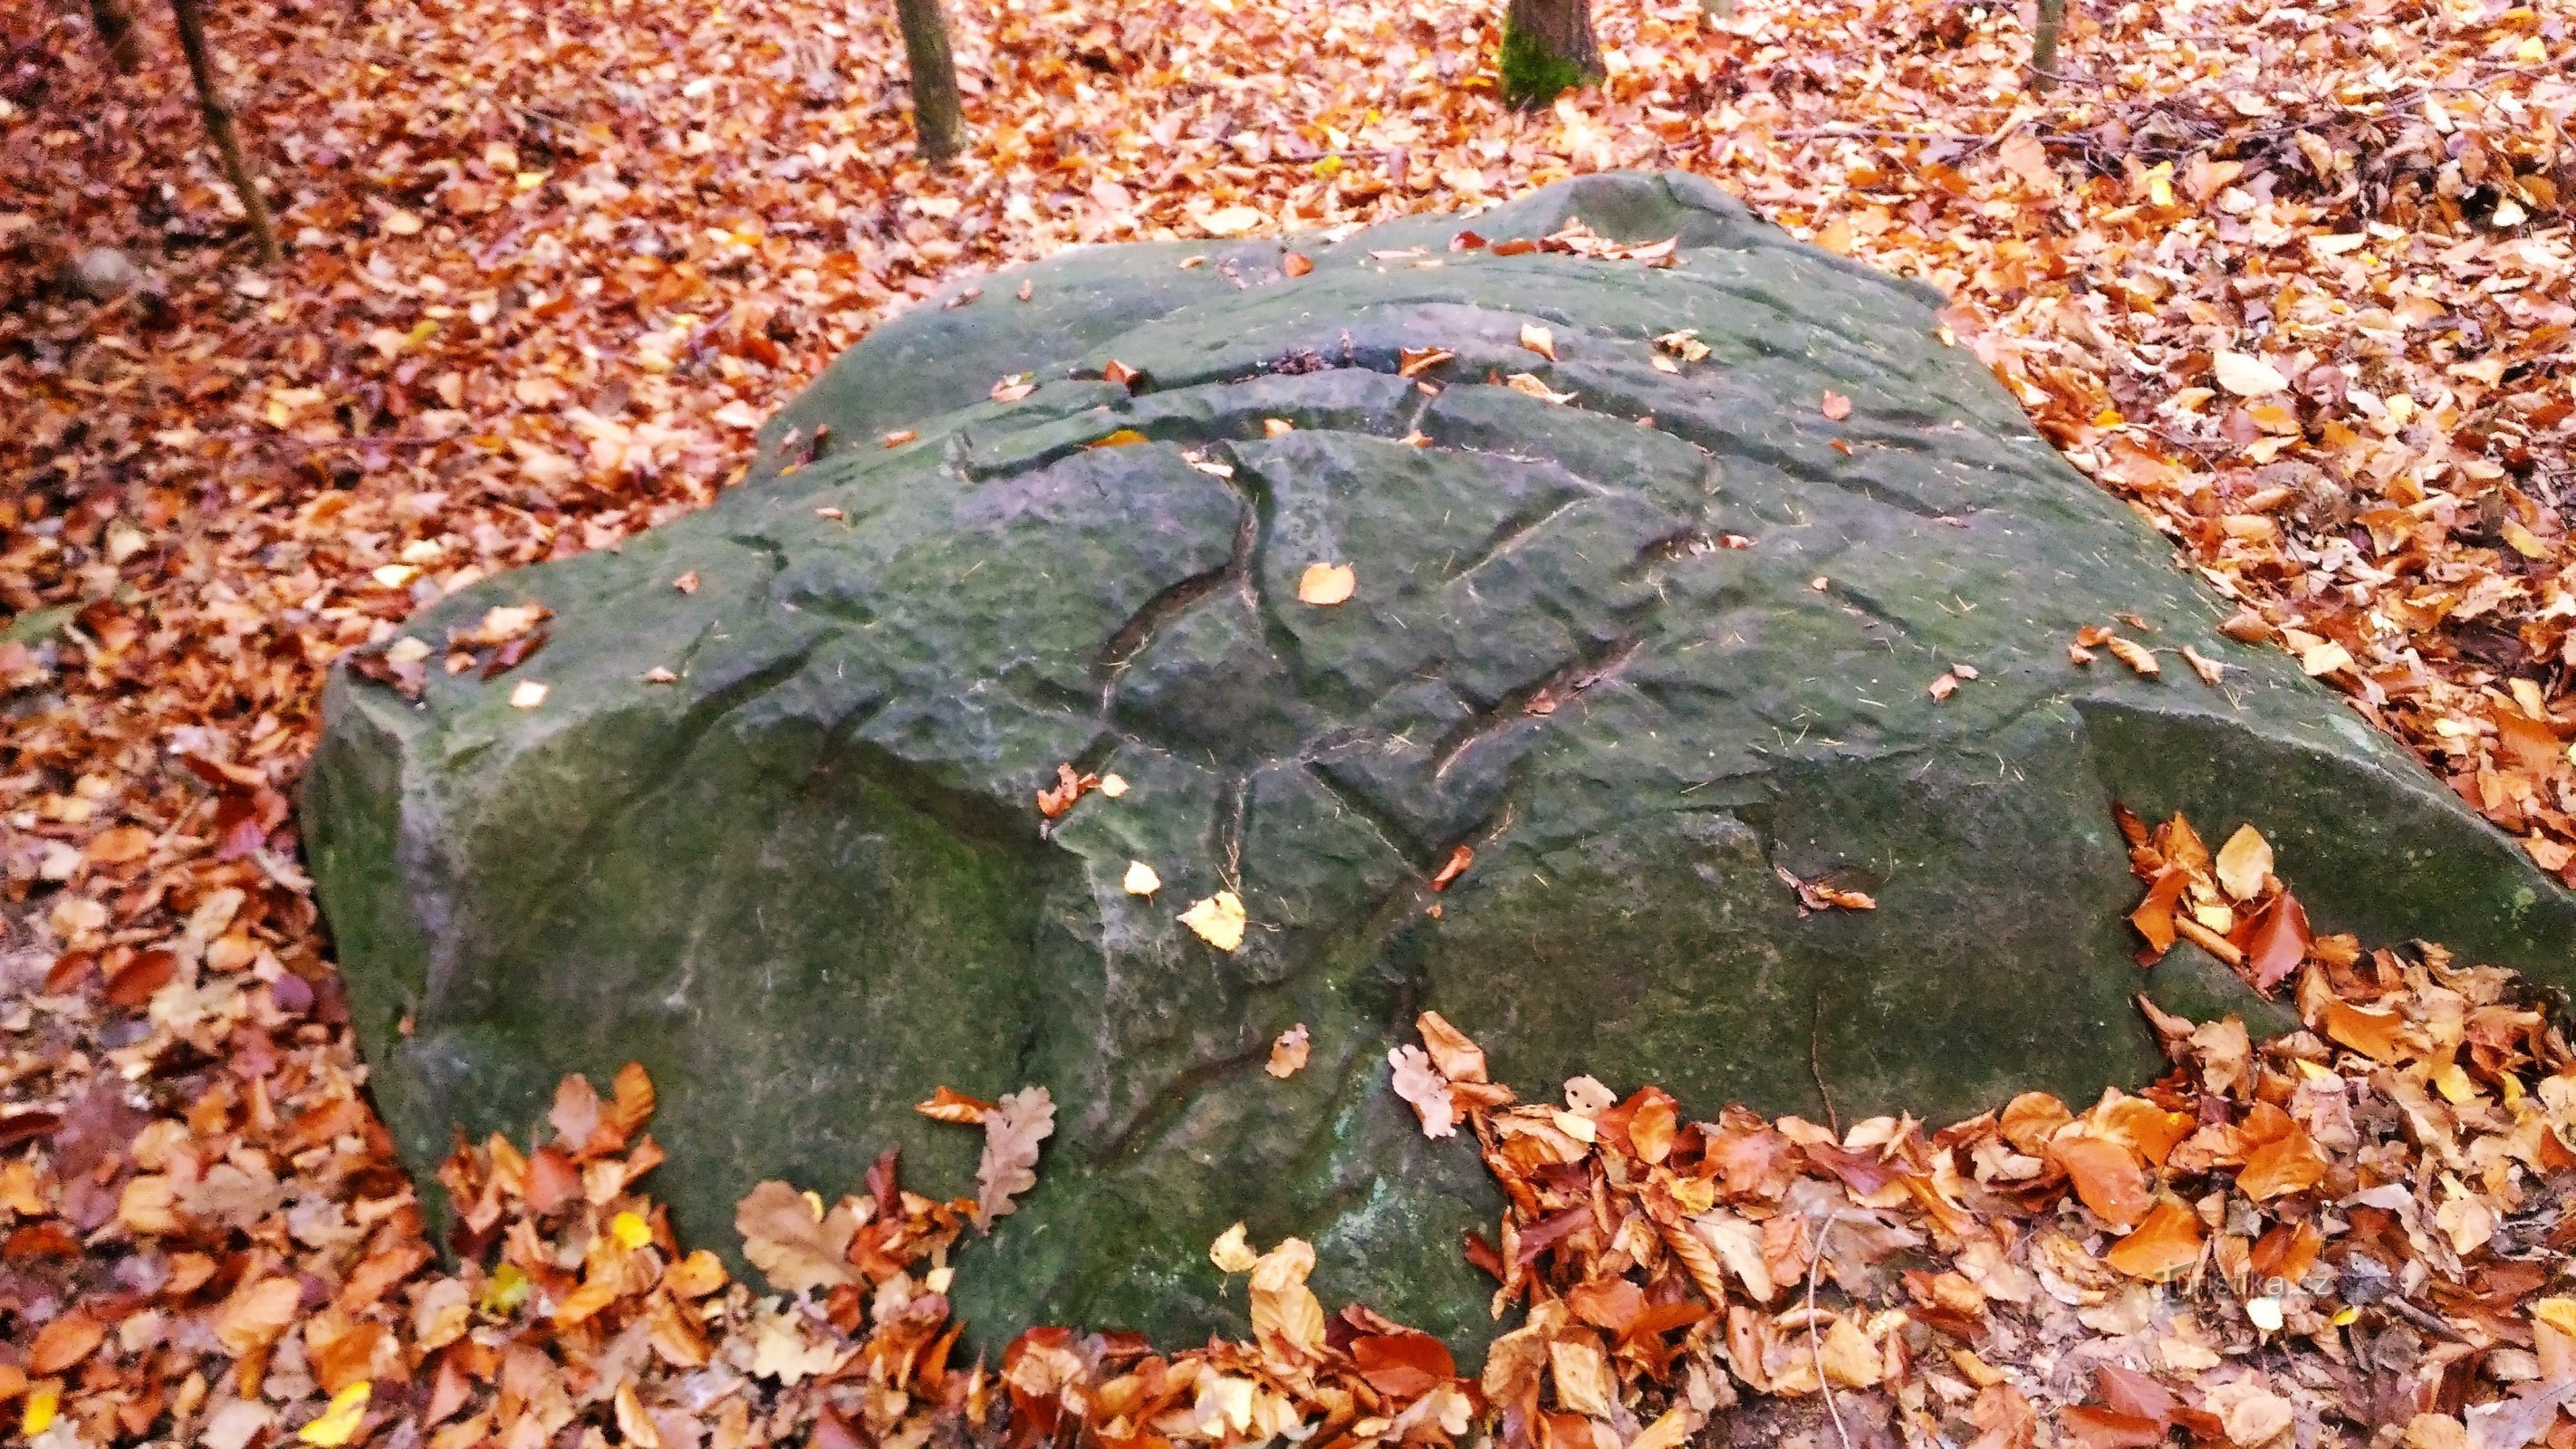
(1534, 75)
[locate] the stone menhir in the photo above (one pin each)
(1641, 650)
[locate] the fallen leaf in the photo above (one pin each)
(1217, 920)
(794, 1243)
(1415, 361)
(1296, 264)
(1140, 879)
(1008, 1168)
(1460, 857)
(2106, 1176)
(1231, 1254)
(1326, 584)
(1529, 384)
(1425, 1089)
(1836, 406)
(1287, 1319)
(1230, 221)
(2248, 376)
(2244, 863)
(63, 1343)
(1458, 1058)
(1538, 339)
(338, 1424)
(955, 1108)
(2167, 1241)
(1288, 1054)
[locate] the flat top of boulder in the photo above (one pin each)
(1682, 580)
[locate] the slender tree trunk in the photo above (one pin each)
(219, 127)
(115, 25)
(2043, 45)
(1547, 49)
(937, 119)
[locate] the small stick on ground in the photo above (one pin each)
(219, 128)
(1815, 1340)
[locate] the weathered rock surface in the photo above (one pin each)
(805, 884)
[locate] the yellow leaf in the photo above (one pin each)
(2558, 1313)
(2160, 184)
(505, 1290)
(1539, 339)
(339, 1423)
(527, 694)
(1285, 1312)
(1231, 1254)
(629, 1229)
(1529, 383)
(1218, 920)
(1326, 584)
(1124, 437)
(40, 1410)
(1140, 879)
(2243, 863)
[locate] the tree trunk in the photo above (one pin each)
(219, 127)
(2043, 45)
(1547, 49)
(115, 25)
(937, 119)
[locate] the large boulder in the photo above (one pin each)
(1641, 650)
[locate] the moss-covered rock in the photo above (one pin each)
(1640, 651)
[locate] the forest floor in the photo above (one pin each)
(2295, 280)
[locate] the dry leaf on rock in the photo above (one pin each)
(1326, 584)
(1418, 1084)
(1231, 1254)
(1458, 1058)
(1009, 1165)
(1288, 1054)
(1217, 920)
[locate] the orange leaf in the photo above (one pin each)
(2277, 941)
(2379, 1035)
(1296, 264)
(2154, 917)
(1836, 407)
(2166, 1243)
(64, 1342)
(954, 1107)
(1452, 868)
(1651, 1130)
(1459, 1059)
(2287, 1164)
(2106, 1177)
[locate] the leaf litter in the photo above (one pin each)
(515, 332)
